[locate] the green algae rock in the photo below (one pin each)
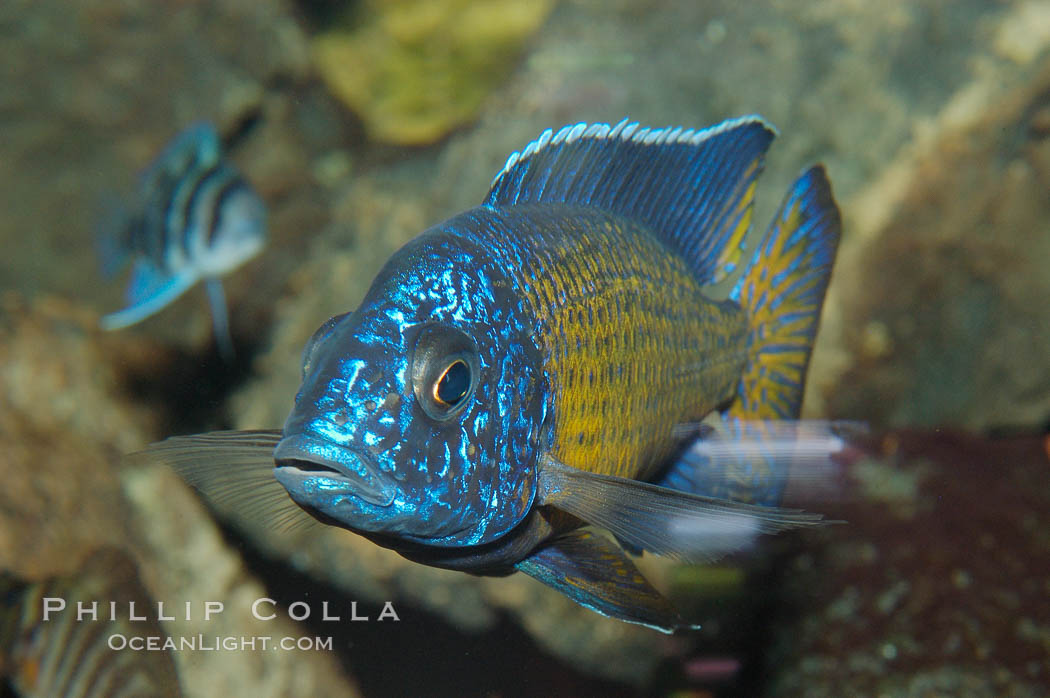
(413, 70)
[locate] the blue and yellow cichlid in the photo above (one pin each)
(526, 368)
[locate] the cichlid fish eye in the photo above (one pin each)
(445, 369)
(453, 384)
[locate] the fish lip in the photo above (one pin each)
(300, 457)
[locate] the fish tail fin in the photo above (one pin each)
(782, 291)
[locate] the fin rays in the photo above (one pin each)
(234, 471)
(693, 189)
(782, 291)
(595, 573)
(667, 522)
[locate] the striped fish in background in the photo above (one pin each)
(194, 218)
(62, 656)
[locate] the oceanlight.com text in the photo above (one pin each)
(218, 643)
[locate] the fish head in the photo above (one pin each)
(239, 228)
(421, 413)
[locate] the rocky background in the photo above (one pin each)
(362, 123)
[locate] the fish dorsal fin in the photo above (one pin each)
(197, 145)
(693, 188)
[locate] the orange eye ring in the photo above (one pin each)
(452, 385)
(445, 369)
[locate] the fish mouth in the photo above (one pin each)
(314, 468)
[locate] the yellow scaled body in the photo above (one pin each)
(634, 347)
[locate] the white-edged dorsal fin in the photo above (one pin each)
(693, 188)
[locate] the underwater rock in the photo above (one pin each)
(65, 422)
(413, 70)
(949, 309)
(55, 363)
(188, 559)
(936, 587)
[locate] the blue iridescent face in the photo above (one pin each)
(420, 413)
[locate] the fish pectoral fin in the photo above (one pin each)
(234, 472)
(680, 525)
(149, 290)
(595, 573)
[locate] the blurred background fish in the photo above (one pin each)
(70, 658)
(527, 367)
(194, 218)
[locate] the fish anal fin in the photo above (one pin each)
(692, 188)
(593, 571)
(782, 292)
